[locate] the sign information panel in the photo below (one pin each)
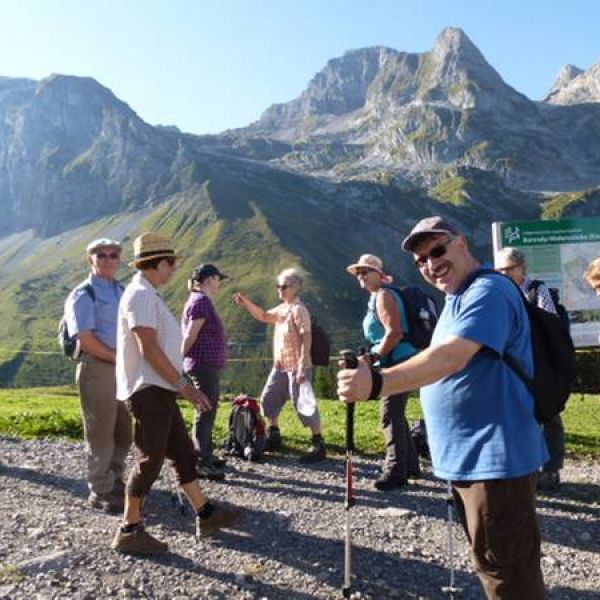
(558, 252)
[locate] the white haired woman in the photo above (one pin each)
(383, 327)
(292, 364)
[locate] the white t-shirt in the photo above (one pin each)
(142, 306)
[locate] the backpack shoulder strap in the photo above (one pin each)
(507, 358)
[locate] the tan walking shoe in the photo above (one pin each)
(221, 518)
(138, 541)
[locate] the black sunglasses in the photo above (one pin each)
(436, 252)
(111, 255)
(363, 272)
(283, 287)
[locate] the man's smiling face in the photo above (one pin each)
(443, 260)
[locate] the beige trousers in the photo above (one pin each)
(106, 424)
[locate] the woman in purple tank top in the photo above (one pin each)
(205, 356)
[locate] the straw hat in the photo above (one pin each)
(369, 261)
(151, 245)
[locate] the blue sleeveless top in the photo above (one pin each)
(374, 331)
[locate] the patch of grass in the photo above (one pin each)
(562, 205)
(451, 190)
(54, 412)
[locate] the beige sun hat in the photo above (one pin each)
(369, 261)
(151, 245)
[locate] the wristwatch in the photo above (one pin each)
(182, 382)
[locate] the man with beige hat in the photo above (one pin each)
(91, 315)
(148, 379)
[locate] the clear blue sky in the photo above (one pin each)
(206, 66)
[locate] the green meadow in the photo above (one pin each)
(54, 412)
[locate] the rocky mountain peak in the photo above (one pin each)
(564, 77)
(575, 86)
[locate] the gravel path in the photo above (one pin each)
(288, 544)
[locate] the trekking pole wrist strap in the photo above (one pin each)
(376, 384)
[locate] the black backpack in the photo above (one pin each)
(421, 315)
(553, 358)
(320, 349)
(561, 311)
(246, 437)
(69, 344)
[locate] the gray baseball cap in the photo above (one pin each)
(425, 227)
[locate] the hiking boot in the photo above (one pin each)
(108, 503)
(206, 469)
(389, 481)
(221, 518)
(138, 541)
(414, 474)
(317, 451)
(548, 481)
(273, 440)
(217, 462)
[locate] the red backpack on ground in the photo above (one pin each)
(246, 437)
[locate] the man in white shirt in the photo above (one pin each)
(149, 377)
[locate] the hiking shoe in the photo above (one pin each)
(221, 518)
(389, 481)
(108, 503)
(273, 440)
(316, 453)
(206, 469)
(217, 462)
(548, 481)
(138, 541)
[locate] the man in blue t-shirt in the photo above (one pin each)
(482, 431)
(91, 314)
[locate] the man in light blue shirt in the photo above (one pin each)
(91, 313)
(482, 431)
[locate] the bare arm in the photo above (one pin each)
(260, 314)
(153, 353)
(389, 315)
(426, 367)
(189, 339)
(95, 347)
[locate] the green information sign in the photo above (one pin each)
(558, 253)
(538, 233)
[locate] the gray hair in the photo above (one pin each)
(512, 255)
(293, 276)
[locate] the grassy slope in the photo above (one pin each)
(55, 412)
(571, 204)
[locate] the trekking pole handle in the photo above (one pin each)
(350, 360)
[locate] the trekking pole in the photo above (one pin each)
(451, 589)
(350, 362)
(176, 496)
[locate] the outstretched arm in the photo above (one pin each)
(260, 314)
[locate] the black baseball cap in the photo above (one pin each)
(204, 271)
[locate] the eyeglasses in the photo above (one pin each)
(436, 252)
(363, 272)
(111, 255)
(283, 287)
(170, 260)
(506, 270)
